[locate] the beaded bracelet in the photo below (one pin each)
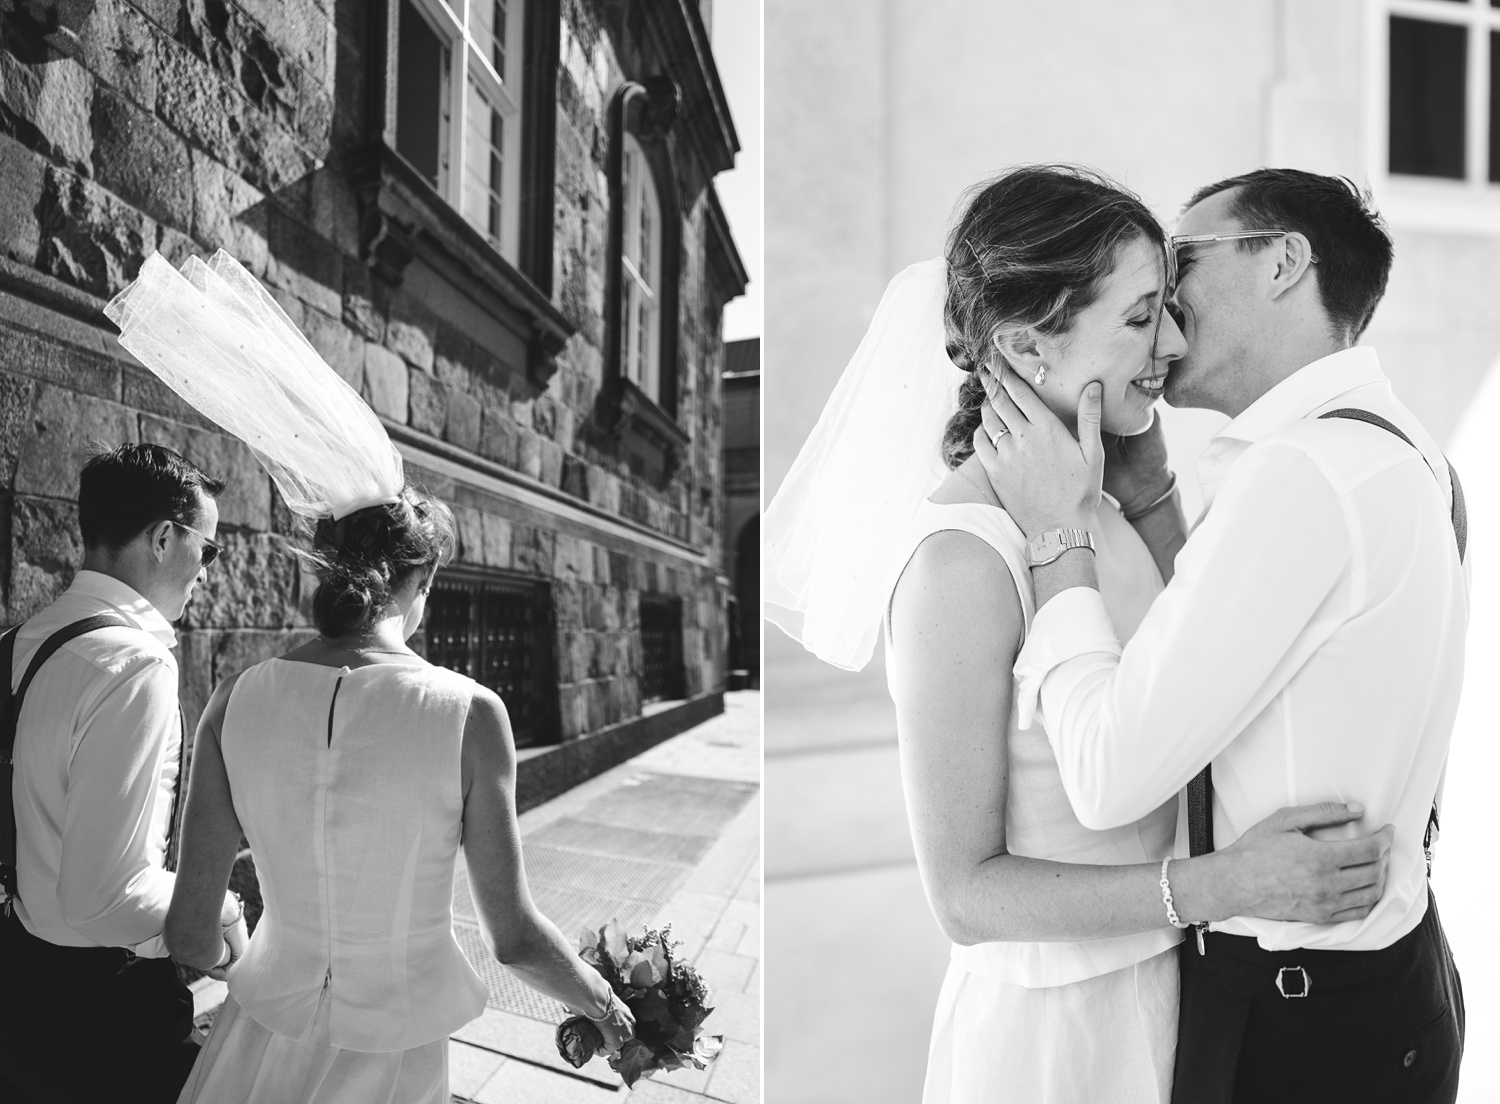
(1166, 896)
(1154, 503)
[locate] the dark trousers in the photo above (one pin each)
(89, 1024)
(1383, 1025)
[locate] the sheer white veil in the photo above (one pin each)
(836, 531)
(215, 336)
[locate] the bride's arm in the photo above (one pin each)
(956, 626)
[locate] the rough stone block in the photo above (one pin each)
(89, 238)
(195, 673)
(498, 439)
(15, 406)
(429, 404)
(143, 391)
(218, 118)
(340, 347)
(47, 107)
(463, 422)
(573, 559)
(470, 525)
(253, 585)
(410, 334)
(529, 453)
(574, 477)
(532, 550)
(64, 428)
(602, 557)
(567, 604)
(363, 307)
(386, 386)
(575, 711)
(120, 49)
(304, 263)
(552, 463)
(246, 499)
(229, 213)
(498, 534)
(244, 648)
(46, 551)
(141, 160)
(21, 176)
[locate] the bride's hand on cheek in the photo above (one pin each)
(1045, 477)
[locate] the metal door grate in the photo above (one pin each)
(661, 649)
(498, 631)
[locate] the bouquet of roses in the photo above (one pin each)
(668, 999)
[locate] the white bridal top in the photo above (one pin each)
(348, 786)
(1039, 821)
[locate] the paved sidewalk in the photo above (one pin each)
(672, 836)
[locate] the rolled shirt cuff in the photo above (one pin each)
(1071, 624)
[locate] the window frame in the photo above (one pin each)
(643, 367)
(466, 60)
(1425, 202)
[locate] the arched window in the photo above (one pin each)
(640, 272)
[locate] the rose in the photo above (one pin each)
(578, 1040)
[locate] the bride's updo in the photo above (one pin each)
(1030, 249)
(362, 559)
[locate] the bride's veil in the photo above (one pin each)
(215, 336)
(836, 532)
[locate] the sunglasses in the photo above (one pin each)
(1178, 242)
(211, 547)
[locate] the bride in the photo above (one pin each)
(1062, 984)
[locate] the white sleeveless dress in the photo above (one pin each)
(1059, 1023)
(348, 785)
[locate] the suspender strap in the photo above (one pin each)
(1460, 515)
(10, 713)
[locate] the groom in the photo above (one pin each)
(93, 1008)
(1309, 646)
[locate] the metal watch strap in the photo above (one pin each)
(1062, 540)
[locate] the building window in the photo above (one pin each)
(458, 93)
(661, 649)
(640, 272)
(497, 629)
(1442, 100)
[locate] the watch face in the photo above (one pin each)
(1045, 547)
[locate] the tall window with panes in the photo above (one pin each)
(640, 278)
(458, 107)
(1444, 90)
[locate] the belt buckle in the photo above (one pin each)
(1281, 984)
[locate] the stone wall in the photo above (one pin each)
(190, 125)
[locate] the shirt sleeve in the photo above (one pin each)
(1251, 600)
(112, 886)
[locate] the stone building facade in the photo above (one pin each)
(472, 298)
(742, 402)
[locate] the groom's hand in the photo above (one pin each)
(1045, 477)
(1279, 872)
(1135, 468)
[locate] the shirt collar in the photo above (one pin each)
(125, 599)
(1304, 391)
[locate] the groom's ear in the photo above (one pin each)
(156, 540)
(1294, 256)
(1019, 349)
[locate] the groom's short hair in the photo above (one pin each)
(1347, 234)
(126, 489)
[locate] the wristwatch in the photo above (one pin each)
(1049, 544)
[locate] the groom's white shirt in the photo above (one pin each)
(1310, 643)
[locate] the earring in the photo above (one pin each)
(1041, 373)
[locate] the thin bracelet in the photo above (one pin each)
(1171, 487)
(609, 1007)
(1166, 896)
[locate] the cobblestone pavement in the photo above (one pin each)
(672, 836)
